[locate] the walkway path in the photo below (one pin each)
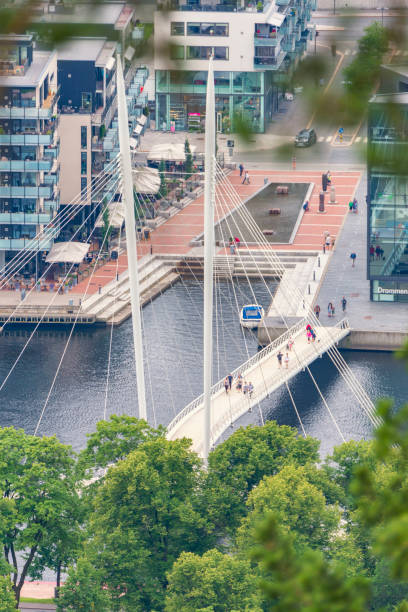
(266, 375)
(343, 280)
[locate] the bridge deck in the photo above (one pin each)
(266, 375)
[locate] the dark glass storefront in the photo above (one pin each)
(387, 232)
(180, 99)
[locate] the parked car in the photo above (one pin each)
(305, 138)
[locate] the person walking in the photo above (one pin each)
(241, 170)
(317, 311)
(232, 247)
(290, 344)
(230, 381)
(226, 384)
(343, 304)
(250, 389)
(372, 252)
(239, 382)
(329, 178)
(330, 309)
(286, 360)
(279, 356)
(246, 178)
(355, 205)
(353, 257)
(350, 205)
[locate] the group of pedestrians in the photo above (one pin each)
(284, 359)
(353, 206)
(376, 253)
(243, 386)
(331, 310)
(245, 174)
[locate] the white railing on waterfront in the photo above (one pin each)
(245, 367)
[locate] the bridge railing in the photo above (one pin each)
(280, 376)
(252, 361)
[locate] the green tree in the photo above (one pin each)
(107, 226)
(238, 465)
(188, 164)
(115, 438)
(214, 582)
(163, 184)
(299, 507)
(144, 517)
(39, 498)
(363, 72)
(304, 581)
(83, 590)
(7, 599)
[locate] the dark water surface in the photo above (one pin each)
(173, 356)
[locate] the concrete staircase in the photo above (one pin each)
(255, 264)
(113, 303)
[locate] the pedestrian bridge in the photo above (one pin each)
(266, 375)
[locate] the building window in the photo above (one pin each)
(177, 28)
(207, 29)
(86, 101)
(220, 53)
(176, 52)
(83, 162)
(83, 188)
(84, 136)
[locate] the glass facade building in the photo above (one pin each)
(254, 49)
(180, 98)
(29, 148)
(387, 200)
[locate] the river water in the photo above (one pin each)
(173, 365)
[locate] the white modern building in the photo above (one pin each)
(253, 47)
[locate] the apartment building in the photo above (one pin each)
(254, 47)
(29, 148)
(87, 104)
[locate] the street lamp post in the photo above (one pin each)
(382, 9)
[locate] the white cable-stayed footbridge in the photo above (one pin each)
(208, 416)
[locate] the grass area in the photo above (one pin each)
(35, 600)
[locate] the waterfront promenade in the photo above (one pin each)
(175, 235)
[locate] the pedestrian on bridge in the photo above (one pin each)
(239, 382)
(343, 304)
(290, 344)
(317, 311)
(279, 356)
(226, 384)
(250, 389)
(286, 360)
(229, 381)
(330, 309)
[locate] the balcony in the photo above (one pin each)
(15, 112)
(26, 139)
(31, 244)
(267, 41)
(41, 165)
(24, 218)
(271, 63)
(30, 191)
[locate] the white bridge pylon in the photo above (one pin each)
(264, 372)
